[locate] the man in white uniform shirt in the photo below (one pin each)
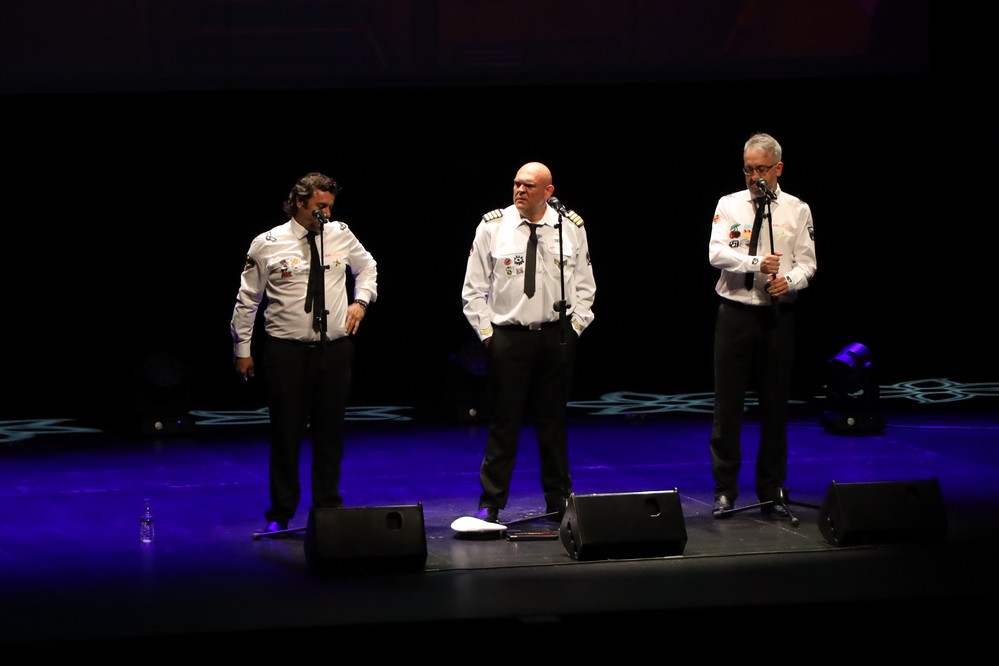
(301, 267)
(513, 299)
(762, 272)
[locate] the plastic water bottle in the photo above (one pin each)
(146, 530)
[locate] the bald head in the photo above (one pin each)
(537, 171)
(531, 188)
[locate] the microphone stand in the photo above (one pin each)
(257, 536)
(770, 228)
(782, 500)
(560, 307)
(321, 317)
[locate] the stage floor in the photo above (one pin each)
(75, 576)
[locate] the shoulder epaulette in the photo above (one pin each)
(493, 215)
(575, 218)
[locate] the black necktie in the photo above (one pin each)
(315, 296)
(755, 238)
(531, 266)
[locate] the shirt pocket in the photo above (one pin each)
(509, 264)
(286, 267)
(554, 257)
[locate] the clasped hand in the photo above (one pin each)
(777, 283)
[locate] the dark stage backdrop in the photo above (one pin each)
(128, 214)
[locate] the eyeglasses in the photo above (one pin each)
(758, 170)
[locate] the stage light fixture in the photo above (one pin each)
(852, 392)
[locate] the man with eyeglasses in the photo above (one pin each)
(762, 241)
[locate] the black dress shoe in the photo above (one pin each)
(490, 514)
(722, 504)
(775, 509)
(558, 508)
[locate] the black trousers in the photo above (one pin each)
(529, 375)
(307, 389)
(753, 348)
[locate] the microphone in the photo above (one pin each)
(317, 213)
(762, 186)
(557, 205)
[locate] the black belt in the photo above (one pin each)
(305, 343)
(739, 305)
(529, 327)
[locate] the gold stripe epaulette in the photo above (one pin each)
(575, 218)
(493, 215)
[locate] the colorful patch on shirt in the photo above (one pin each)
(250, 263)
(811, 233)
(519, 259)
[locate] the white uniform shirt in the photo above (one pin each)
(493, 292)
(728, 249)
(278, 265)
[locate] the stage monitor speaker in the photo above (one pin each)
(623, 525)
(883, 512)
(366, 539)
